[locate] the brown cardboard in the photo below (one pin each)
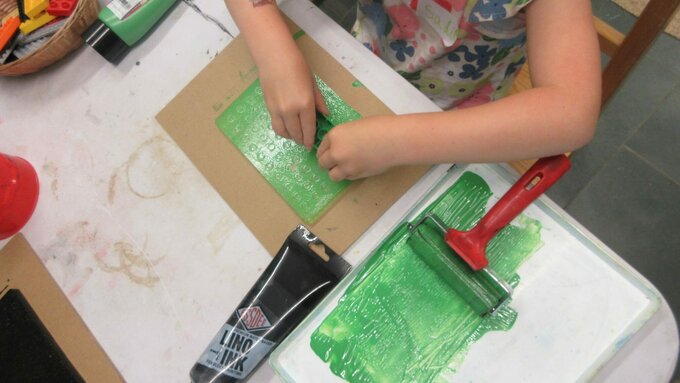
(190, 119)
(20, 268)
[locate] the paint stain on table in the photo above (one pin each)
(288, 167)
(399, 321)
(150, 172)
(221, 231)
(52, 170)
(132, 262)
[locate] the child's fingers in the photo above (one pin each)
(336, 174)
(279, 128)
(323, 147)
(292, 123)
(326, 161)
(308, 119)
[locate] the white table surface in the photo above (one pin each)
(148, 253)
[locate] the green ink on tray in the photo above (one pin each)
(399, 321)
(291, 170)
(357, 84)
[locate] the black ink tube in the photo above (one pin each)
(302, 273)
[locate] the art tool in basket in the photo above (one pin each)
(460, 258)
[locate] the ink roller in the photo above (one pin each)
(460, 258)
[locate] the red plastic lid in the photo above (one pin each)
(18, 194)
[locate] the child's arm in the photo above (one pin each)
(289, 89)
(558, 115)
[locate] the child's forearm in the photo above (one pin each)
(535, 123)
(288, 86)
(558, 115)
(265, 32)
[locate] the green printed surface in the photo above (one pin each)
(323, 126)
(399, 321)
(292, 171)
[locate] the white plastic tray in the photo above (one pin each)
(578, 302)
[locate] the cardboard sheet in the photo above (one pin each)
(20, 268)
(190, 120)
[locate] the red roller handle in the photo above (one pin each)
(471, 245)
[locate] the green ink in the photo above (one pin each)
(398, 321)
(323, 126)
(298, 34)
(357, 84)
(292, 171)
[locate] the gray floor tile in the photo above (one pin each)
(666, 51)
(585, 164)
(636, 211)
(658, 140)
(646, 86)
(613, 15)
(634, 103)
(604, 60)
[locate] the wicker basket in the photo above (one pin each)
(59, 45)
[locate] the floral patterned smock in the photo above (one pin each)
(458, 52)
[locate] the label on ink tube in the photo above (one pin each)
(253, 318)
(236, 353)
(121, 8)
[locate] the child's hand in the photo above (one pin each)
(289, 89)
(358, 149)
(292, 97)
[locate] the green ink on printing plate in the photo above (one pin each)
(399, 321)
(291, 170)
